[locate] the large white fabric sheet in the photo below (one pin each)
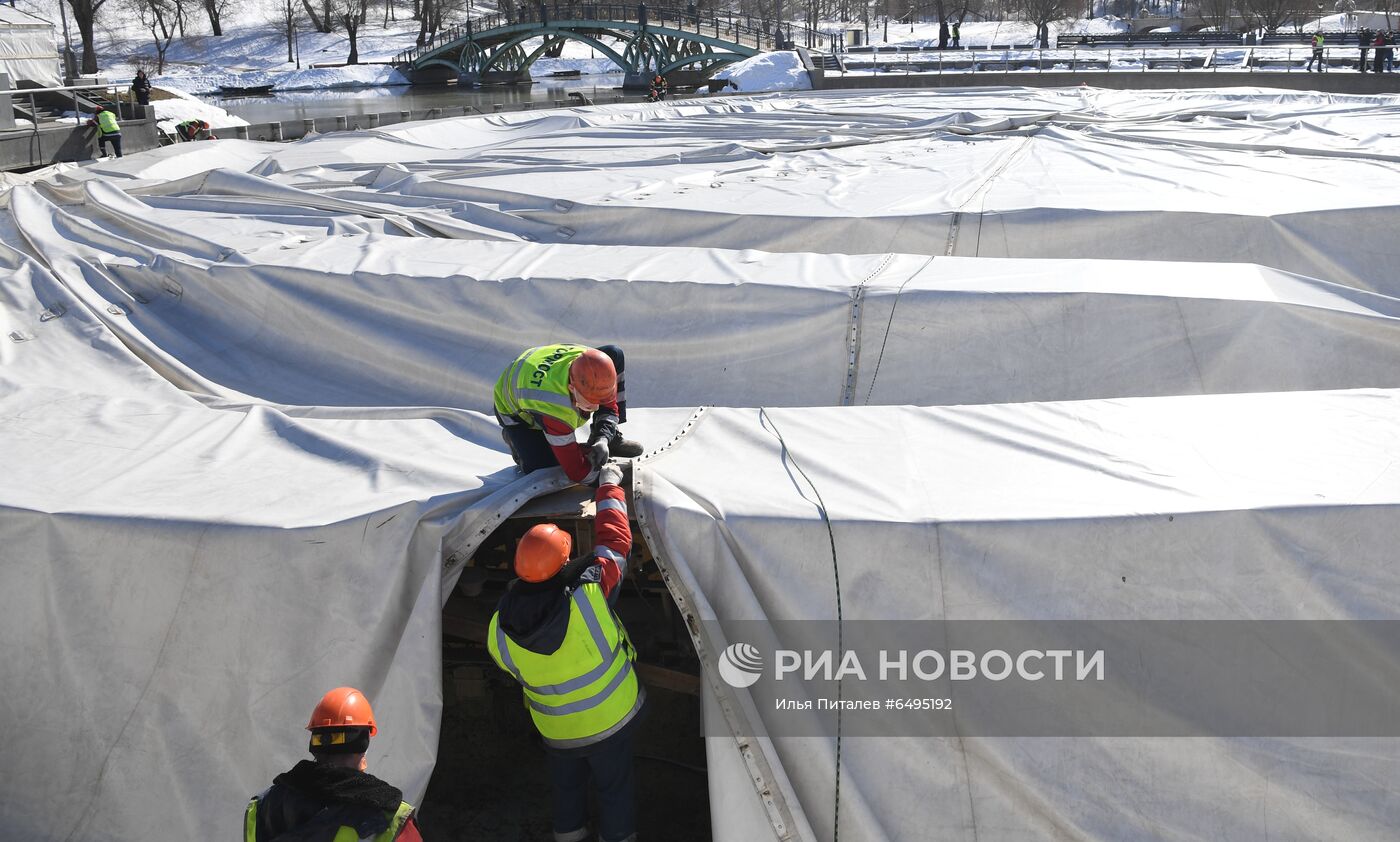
(243, 397)
(1205, 508)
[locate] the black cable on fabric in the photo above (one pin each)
(883, 342)
(836, 576)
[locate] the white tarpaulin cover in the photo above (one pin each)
(27, 49)
(243, 386)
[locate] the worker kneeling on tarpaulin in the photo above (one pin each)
(551, 391)
(555, 633)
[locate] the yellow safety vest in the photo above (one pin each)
(107, 122)
(537, 383)
(584, 692)
(343, 834)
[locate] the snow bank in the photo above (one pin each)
(319, 78)
(543, 67)
(180, 106)
(1107, 25)
(782, 71)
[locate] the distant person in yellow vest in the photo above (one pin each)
(108, 131)
(1317, 56)
(332, 797)
(554, 631)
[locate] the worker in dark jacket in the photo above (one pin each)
(108, 130)
(332, 797)
(551, 391)
(141, 88)
(554, 631)
(656, 92)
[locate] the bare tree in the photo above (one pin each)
(352, 17)
(215, 10)
(1043, 12)
(323, 20)
(289, 25)
(159, 18)
(84, 16)
(431, 14)
(1269, 14)
(1216, 12)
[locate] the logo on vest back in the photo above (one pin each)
(740, 665)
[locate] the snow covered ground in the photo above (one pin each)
(781, 71)
(254, 51)
(175, 106)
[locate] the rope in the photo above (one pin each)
(836, 576)
(875, 375)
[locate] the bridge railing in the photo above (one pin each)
(1007, 63)
(1203, 39)
(760, 33)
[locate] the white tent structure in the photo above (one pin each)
(243, 395)
(28, 49)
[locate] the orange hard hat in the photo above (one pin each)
(542, 552)
(343, 707)
(593, 375)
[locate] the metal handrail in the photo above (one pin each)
(1075, 59)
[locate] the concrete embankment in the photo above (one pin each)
(1337, 81)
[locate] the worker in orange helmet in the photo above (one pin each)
(332, 796)
(555, 632)
(551, 391)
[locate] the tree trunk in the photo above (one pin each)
(211, 7)
(425, 14)
(84, 14)
(319, 23)
(89, 65)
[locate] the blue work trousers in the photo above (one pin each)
(609, 763)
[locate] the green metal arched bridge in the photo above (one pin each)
(640, 39)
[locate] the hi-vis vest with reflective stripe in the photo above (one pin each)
(344, 834)
(586, 690)
(537, 383)
(107, 122)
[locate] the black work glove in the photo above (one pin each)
(604, 428)
(597, 454)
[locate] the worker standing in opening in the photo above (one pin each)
(194, 130)
(332, 797)
(554, 631)
(551, 391)
(1317, 54)
(108, 130)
